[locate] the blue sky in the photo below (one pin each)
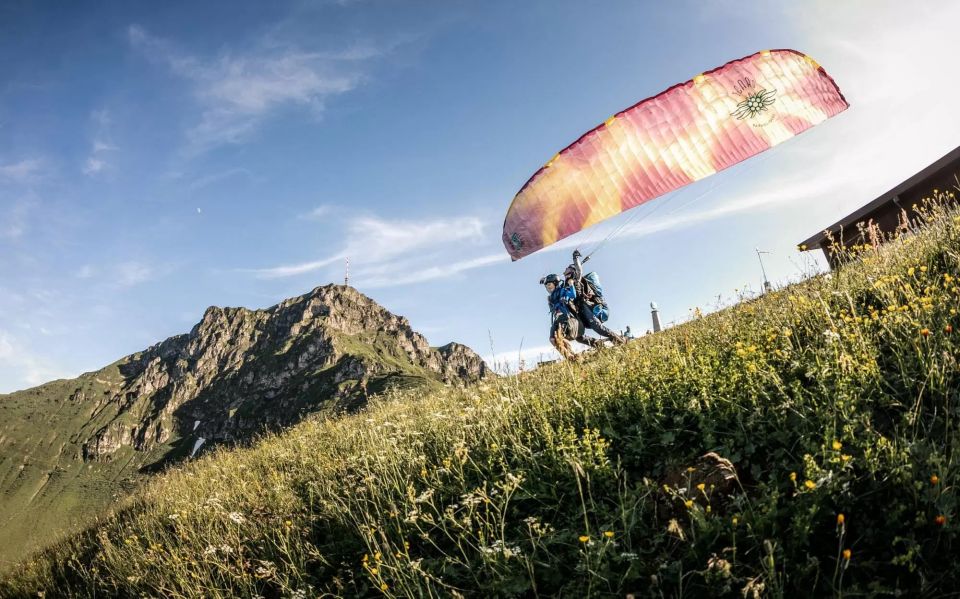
(159, 158)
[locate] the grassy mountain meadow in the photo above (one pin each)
(801, 444)
(71, 448)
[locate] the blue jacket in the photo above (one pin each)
(560, 299)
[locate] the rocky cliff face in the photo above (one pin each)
(241, 371)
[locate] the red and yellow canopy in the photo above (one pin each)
(683, 134)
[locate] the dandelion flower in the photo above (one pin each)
(810, 484)
(584, 538)
(837, 445)
(608, 534)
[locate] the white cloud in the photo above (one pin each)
(93, 166)
(400, 250)
(128, 274)
(237, 92)
(317, 213)
(21, 172)
(96, 161)
(430, 272)
(13, 222)
(28, 370)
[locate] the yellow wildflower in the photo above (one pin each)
(837, 445)
(608, 534)
(701, 486)
(846, 554)
(688, 503)
(584, 538)
(840, 519)
(793, 476)
(810, 484)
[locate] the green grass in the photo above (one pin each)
(839, 395)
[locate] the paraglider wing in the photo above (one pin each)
(683, 134)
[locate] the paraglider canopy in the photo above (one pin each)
(660, 144)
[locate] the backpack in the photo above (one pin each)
(592, 279)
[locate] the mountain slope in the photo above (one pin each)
(69, 447)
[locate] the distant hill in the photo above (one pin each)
(70, 447)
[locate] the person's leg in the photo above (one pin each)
(591, 322)
(558, 340)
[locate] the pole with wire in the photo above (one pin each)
(767, 287)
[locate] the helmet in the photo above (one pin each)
(551, 278)
(570, 272)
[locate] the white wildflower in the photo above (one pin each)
(237, 517)
(209, 550)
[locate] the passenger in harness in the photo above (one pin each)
(591, 308)
(564, 324)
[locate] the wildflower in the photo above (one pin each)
(810, 484)
(688, 503)
(608, 534)
(840, 519)
(923, 269)
(384, 586)
(934, 479)
(837, 445)
(173, 516)
(911, 271)
(287, 523)
(948, 328)
(584, 538)
(940, 520)
(845, 457)
(701, 486)
(846, 554)
(374, 571)
(237, 517)
(924, 332)
(793, 477)
(209, 550)
(735, 520)
(691, 469)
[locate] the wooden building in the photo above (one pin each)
(872, 222)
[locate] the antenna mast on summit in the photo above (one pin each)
(346, 274)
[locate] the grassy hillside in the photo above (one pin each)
(836, 401)
(44, 483)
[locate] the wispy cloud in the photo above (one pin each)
(318, 213)
(31, 369)
(128, 274)
(96, 161)
(21, 172)
(238, 91)
(394, 252)
(13, 222)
